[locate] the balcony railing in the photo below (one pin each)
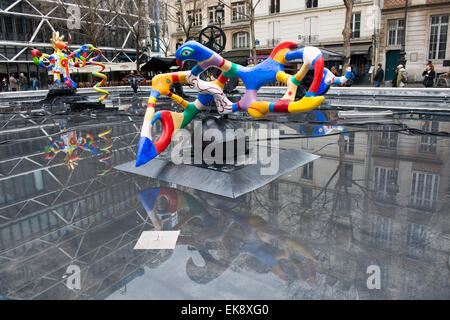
(272, 42)
(311, 38)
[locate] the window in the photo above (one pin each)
(308, 170)
(380, 231)
(438, 37)
(212, 15)
(356, 24)
(239, 11)
(348, 174)
(343, 203)
(350, 143)
(195, 17)
(428, 142)
(273, 191)
(307, 197)
(311, 4)
(311, 29)
(396, 32)
(418, 237)
(274, 34)
(274, 6)
(388, 138)
(385, 183)
(241, 40)
(424, 189)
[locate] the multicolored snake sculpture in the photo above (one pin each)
(253, 78)
(59, 62)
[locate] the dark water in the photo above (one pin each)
(376, 198)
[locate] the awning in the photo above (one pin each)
(239, 56)
(359, 48)
(329, 55)
(159, 64)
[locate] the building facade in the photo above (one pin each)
(27, 25)
(194, 15)
(318, 23)
(426, 36)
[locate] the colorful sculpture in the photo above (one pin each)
(269, 71)
(70, 143)
(59, 62)
(134, 80)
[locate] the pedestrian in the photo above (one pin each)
(402, 76)
(13, 83)
(379, 76)
(335, 73)
(35, 83)
(23, 81)
(5, 85)
(394, 80)
(429, 75)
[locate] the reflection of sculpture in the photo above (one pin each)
(71, 143)
(59, 62)
(226, 239)
(270, 70)
(169, 208)
(317, 129)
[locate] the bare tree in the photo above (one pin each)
(92, 16)
(135, 16)
(164, 38)
(178, 13)
(252, 4)
(347, 32)
(250, 15)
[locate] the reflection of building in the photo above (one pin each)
(426, 36)
(25, 25)
(375, 198)
(234, 21)
(317, 23)
(389, 210)
(51, 218)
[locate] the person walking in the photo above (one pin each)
(335, 73)
(5, 85)
(379, 76)
(23, 81)
(13, 83)
(34, 83)
(394, 80)
(429, 75)
(402, 76)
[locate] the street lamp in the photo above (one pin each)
(220, 13)
(402, 59)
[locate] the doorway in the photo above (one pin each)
(391, 63)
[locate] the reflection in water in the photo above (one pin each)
(231, 236)
(375, 197)
(71, 142)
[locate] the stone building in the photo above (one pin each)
(318, 23)
(194, 15)
(426, 36)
